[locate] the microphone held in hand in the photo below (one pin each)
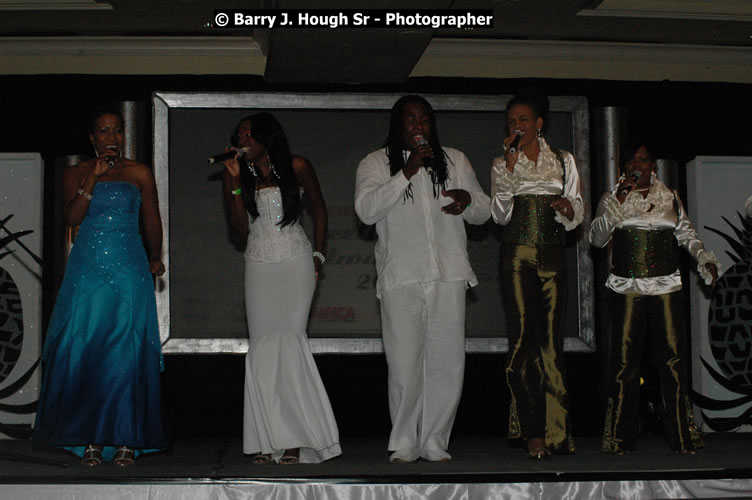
(227, 155)
(634, 175)
(421, 141)
(515, 143)
(111, 160)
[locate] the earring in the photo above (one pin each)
(271, 165)
(540, 133)
(252, 169)
(652, 177)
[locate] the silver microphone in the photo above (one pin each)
(111, 160)
(634, 176)
(516, 142)
(421, 141)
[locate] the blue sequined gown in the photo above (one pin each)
(102, 358)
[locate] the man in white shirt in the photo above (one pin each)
(418, 195)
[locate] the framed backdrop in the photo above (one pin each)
(200, 298)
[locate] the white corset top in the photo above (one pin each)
(267, 241)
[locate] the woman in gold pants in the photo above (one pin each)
(645, 220)
(536, 197)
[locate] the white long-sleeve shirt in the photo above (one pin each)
(418, 243)
(654, 212)
(538, 178)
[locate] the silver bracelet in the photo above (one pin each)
(320, 256)
(86, 195)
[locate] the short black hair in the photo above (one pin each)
(105, 109)
(631, 147)
(538, 103)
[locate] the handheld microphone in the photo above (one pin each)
(515, 143)
(110, 159)
(634, 176)
(421, 141)
(227, 155)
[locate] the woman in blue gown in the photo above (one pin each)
(100, 395)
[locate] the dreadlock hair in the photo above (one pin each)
(395, 146)
(266, 130)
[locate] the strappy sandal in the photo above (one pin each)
(262, 459)
(537, 452)
(124, 457)
(687, 451)
(290, 457)
(92, 456)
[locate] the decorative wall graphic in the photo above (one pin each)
(717, 189)
(20, 291)
(11, 324)
(730, 330)
(11, 312)
(11, 334)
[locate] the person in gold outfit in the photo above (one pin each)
(646, 223)
(536, 197)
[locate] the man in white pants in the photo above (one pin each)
(418, 194)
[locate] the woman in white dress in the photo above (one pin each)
(287, 415)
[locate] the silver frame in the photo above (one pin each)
(164, 101)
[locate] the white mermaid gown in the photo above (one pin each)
(285, 404)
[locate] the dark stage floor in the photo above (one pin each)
(476, 459)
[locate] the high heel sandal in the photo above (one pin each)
(124, 457)
(290, 457)
(687, 451)
(262, 459)
(92, 456)
(537, 451)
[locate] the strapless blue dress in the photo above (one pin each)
(102, 355)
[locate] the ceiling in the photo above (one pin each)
(389, 55)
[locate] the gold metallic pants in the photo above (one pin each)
(652, 326)
(534, 288)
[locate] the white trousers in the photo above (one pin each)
(423, 326)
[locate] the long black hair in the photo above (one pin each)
(394, 143)
(265, 129)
